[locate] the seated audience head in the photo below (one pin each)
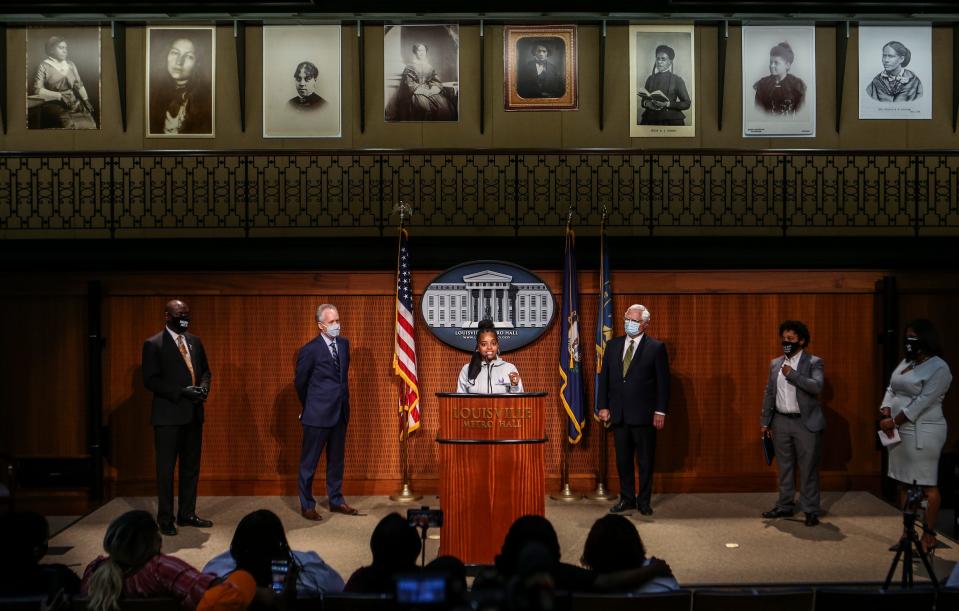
(25, 536)
(394, 543)
(131, 541)
(613, 544)
(258, 540)
(525, 530)
(455, 572)
(532, 585)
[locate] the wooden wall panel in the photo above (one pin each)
(43, 360)
(719, 328)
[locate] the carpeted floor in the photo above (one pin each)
(706, 538)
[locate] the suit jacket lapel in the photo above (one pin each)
(637, 354)
(170, 344)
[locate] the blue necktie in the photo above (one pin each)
(336, 357)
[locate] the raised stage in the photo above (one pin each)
(691, 531)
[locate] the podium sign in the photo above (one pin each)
(492, 469)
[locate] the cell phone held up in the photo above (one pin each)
(424, 517)
(280, 570)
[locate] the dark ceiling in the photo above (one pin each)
(367, 7)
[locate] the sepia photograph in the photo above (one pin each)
(895, 72)
(302, 86)
(779, 81)
(181, 68)
(539, 67)
(63, 78)
(662, 81)
(421, 66)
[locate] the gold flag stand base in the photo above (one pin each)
(406, 495)
(566, 495)
(600, 494)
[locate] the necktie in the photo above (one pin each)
(629, 357)
(186, 357)
(336, 357)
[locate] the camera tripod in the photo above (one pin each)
(908, 545)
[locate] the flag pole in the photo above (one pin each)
(406, 494)
(601, 493)
(566, 493)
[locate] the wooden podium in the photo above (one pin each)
(492, 469)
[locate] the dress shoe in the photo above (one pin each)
(344, 509)
(168, 529)
(811, 519)
(622, 506)
(778, 512)
(195, 521)
(310, 514)
(645, 510)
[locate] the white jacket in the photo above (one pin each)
(493, 379)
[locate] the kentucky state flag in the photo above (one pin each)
(604, 322)
(570, 363)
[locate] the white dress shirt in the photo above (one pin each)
(786, 402)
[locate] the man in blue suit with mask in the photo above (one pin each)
(322, 385)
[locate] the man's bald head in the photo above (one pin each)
(177, 316)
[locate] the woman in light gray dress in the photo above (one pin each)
(913, 404)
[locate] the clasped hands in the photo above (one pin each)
(887, 424)
(195, 393)
(659, 420)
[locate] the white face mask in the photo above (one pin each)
(333, 329)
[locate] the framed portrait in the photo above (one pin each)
(181, 70)
(779, 81)
(63, 78)
(539, 67)
(302, 86)
(895, 72)
(421, 73)
(662, 81)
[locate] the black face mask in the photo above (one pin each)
(912, 346)
(791, 348)
(179, 324)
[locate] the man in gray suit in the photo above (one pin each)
(792, 416)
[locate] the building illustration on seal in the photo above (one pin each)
(488, 295)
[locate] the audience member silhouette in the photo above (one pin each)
(537, 529)
(396, 547)
(259, 540)
(614, 545)
(134, 567)
(23, 543)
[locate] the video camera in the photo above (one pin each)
(424, 517)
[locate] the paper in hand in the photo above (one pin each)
(887, 441)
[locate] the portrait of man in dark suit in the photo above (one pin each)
(634, 398)
(539, 77)
(792, 416)
(322, 385)
(175, 370)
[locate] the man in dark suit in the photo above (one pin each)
(633, 397)
(322, 385)
(539, 77)
(792, 416)
(176, 371)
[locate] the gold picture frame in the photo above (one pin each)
(539, 67)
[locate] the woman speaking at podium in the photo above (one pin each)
(486, 373)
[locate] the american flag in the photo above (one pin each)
(404, 352)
